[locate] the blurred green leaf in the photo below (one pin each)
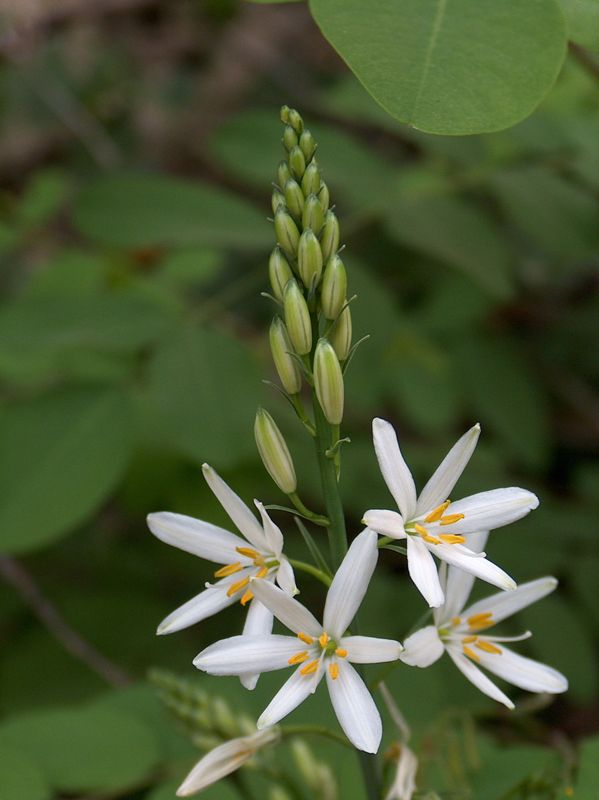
(43, 197)
(587, 781)
(20, 776)
(582, 17)
(506, 768)
(60, 456)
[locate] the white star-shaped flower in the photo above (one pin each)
(432, 524)
(316, 649)
(463, 635)
(258, 555)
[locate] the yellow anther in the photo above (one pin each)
(341, 652)
(262, 573)
(309, 668)
(479, 621)
(426, 535)
(334, 670)
(246, 597)
(298, 658)
(237, 586)
(469, 639)
(452, 538)
(488, 647)
(470, 653)
(305, 638)
(438, 512)
(456, 620)
(450, 519)
(324, 639)
(249, 552)
(230, 569)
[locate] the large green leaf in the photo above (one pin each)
(20, 776)
(60, 456)
(141, 210)
(583, 21)
(449, 66)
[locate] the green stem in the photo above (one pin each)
(317, 730)
(296, 402)
(317, 519)
(311, 570)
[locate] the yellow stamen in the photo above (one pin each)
(246, 597)
(341, 652)
(237, 586)
(305, 638)
(324, 639)
(488, 647)
(262, 573)
(249, 552)
(479, 621)
(450, 519)
(469, 639)
(334, 670)
(470, 653)
(452, 538)
(298, 658)
(310, 667)
(425, 534)
(438, 512)
(230, 569)
(456, 620)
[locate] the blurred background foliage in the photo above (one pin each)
(138, 142)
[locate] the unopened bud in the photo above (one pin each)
(304, 760)
(278, 793)
(329, 240)
(341, 335)
(311, 181)
(274, 452)
(283, 174)
(309, 259)
(279, 273)
(328, 381)
(294, 197)
(286, 232)
(278, 199)
(291, 117)
(323, 196)
(290, 139)
(297, 163)
(286, 364)
(223, 718)
(297, 318)
(334, 287)
(307, 144)
(313, 216)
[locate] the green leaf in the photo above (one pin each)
(505, 768)
(582, 17)
(449, 66)
(588, 770)
(20, 777)
(43, 197)
(155, 210)
(60, 456)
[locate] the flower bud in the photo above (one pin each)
(309, 259)
(278, 793)
(297, 318)
(286, 232)
(297, 163)
(294, 197)
(312, 216)
(334, 287)
(283, 174)
(323, 196)
(278, 199)
(285, 363)
(340, 336)
(291, 117)
(290, 139)
(307, 144)
(328, 381)
(279, 273)
(329, 240)
(274, 452)
(311, 181)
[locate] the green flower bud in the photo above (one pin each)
(329, 240)
(297, 163)
(328, 381)
(294, 197)
(274, 452)
(307, 144)
(334, 287)
(286, 365)
(283, 174)
(290, 139)
(278, 793)
(313, 216)
(291, 117)
(278, 199)
(309, 259)
(223, 718)
(297, 318)
(305, 761)
(311, 181)
(279, 273)
(286, 232)
(323, 196)
(340, 336)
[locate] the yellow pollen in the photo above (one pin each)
(249, 552)
(230, 569)
(309, 668)
(438, 512)
(425, 534)
(237, 586)
(470, 653)
(488, 647)
(341, 652)
(334, 670)
(469, 639)
(246, 597)
(262, 573)
(324, 639)
(305, 638)
(456, 620)
(298, 658)
(452, 538)
(450, 519)
(477, 622)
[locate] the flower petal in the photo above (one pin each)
(350, 583)
(447, 474)
(423, 572)
(486, 511)
(203, 605)
(479, 566)
(241, 654)
(257, 623)
(387, 523)
(458, 584)
(291, 613)
(196, 536)
(478, 678)
(404, 782)
(286, 577)
(240, 514)
(422, 648)
(355, 709)
(504, 604)
(370, 649)
(272, 532)
(394, 469)
(216, 764)
(524, 672)
(293, 692)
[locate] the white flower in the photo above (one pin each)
(258, 555)
(431, 523)
(460, 633)
(316, 649)
(225, 759)
(404, 781)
